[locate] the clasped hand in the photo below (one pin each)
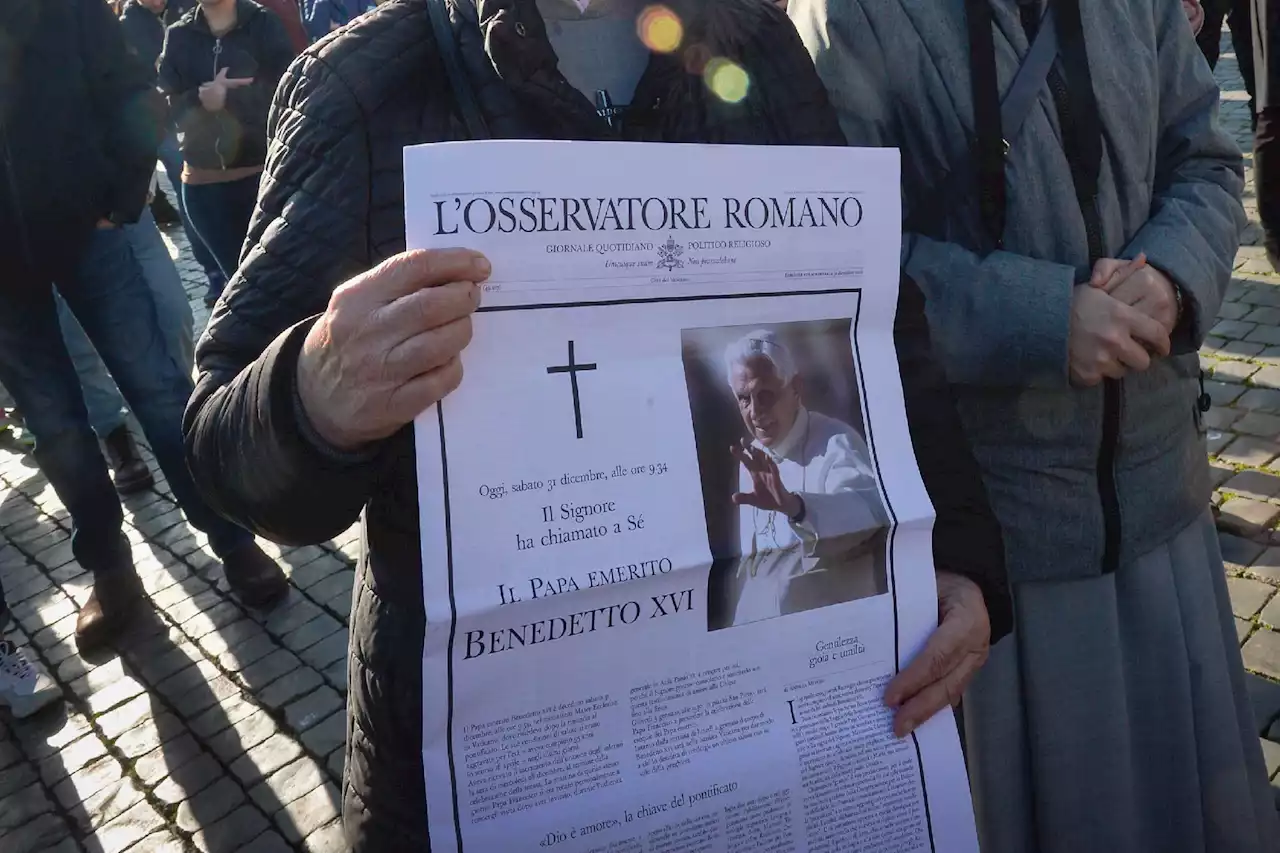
(1124, 314)
(213, 95)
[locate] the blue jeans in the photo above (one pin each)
(101, 397)
(111, 299)
(220, 214)
(171, 157)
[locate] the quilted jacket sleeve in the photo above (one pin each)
(247, 444)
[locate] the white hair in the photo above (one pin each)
(760, 344)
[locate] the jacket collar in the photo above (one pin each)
(244, 11)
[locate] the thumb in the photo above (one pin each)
(221, 76)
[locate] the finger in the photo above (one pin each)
(221, 76)
(936, 659)
(411, 271)
(946, 692)
(427, 351)
(1125, 272)
(424, 391)
(427, 309)
(1102, 271)
(1132, 355)
(747, 499)
(1146, 329)
(740, 455)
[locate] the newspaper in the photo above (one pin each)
(674, 539)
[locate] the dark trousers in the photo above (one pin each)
(220, 214)
(1238, 16)
(110, 298)
(171, 157)
(1266, 170)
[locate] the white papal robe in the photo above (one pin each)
(830, 555)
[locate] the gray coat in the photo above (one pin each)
(898, 73)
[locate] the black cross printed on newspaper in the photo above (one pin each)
(572, 368)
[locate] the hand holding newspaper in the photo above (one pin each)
(675, 542)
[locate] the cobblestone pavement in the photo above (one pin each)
(215, 728)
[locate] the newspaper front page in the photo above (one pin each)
(674, 539)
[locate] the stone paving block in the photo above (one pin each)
(291, 616)
(1270, 614)
(309, 813)
(9, 753)
(269, 669)
(307, 576)
(1234, 371)
(337, 584)
(55, 556)
(71, 759)
(336, 675)
(320, 628)
(155, 669)
(288, 784)
(159, 842)
(22, 807)
(1254, 452)
(266, 758)
(232, 832)
(267, 842)
(1256, 399)
(210, 805)
(1221, 417)
(212, 619)
(1234, 310)
(189, 780)
(231, 637)
(1242, 629)
(84, 783)
(46, 834)
(42, 736)
(1248, 596)
(106, 805)
(328, 839)
(1244, 349)
(1264, 335)
(37, 583)
(1253, 484)
(193, 678)
(327, 735)
(327, 652)
(1267, 377)
(205, 696)
(1247, 517)
(1262, 653)
(222, 716)
(127, 829)
(235, 741)
(1217, 441)
(335, 763)
(127, 716)
(1257, 424)
(185, 611)
(311, 709)
(1220, 473)
(297, 683)
(115, 694)
(148, 735)
(159, 763)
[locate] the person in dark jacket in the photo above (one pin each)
(283, 437)
(219, 68)
(144, 23)
(1266, 141)
(70, 181)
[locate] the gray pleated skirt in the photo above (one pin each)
(1115, 719)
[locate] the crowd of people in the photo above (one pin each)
(1061, 268)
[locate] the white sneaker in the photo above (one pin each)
(24, 687)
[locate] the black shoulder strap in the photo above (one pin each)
(451, 56)
(990, 148)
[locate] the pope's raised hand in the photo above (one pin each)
(388, 346)
(767, 491)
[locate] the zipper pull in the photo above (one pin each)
(1204, 402)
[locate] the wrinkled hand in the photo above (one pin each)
(767, 492)
(388, 346)
(1195, 15)
(1109, 338)
(1140, 285)
(942, 671)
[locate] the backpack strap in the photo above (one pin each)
(464, 95)
(989, 147)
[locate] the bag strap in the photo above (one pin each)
(463, 95)
(989, 148)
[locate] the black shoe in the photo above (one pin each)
(131, 473)
(163, 211)
(255, 577)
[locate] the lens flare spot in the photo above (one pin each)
(727, 79)
(660, 29)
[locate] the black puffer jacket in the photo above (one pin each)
(332, 206)
(258, 48)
